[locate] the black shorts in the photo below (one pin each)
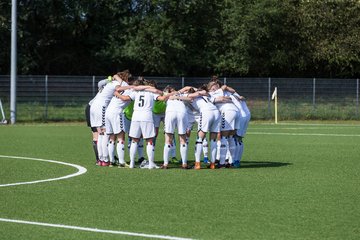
(87, 115)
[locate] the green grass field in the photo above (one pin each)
(297, 181)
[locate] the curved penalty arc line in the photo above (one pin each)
(81, 170)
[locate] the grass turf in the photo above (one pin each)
(296, 182)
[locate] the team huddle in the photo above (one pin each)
(124, 106)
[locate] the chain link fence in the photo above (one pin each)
(63, 98)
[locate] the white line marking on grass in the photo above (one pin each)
(81, 170)
(304, 134)
(93, 229)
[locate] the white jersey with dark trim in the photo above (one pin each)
(176, 106)
(117, 104)
(203, 103)
(223, 106)
(143, 105)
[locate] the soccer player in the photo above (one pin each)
(98, 109)
(230, 119)
(142, 123)
(94, 132)
(175, 117)
(209, 122)
(117, 125)
(245, 116)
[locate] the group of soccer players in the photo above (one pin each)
(136, 108)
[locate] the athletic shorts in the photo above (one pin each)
(157, 119)
(209, 121)
(146, 129)
(97, 114)
(87, 116)
(174, 120)
(229, 120)
(116, 122)
(244, 123)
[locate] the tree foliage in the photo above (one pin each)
(290, 38)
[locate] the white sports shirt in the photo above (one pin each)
(203, 103)
(117, 104)
(143, 105)
(176, 106)
(223, 106)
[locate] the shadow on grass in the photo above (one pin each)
(244, 164)
(262, 164)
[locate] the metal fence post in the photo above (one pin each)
(314, 92)
(269, 98)
(357, 98)
(182, 82)
(224, 80)
(46, 97)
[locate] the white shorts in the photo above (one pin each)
(229, 120)
(97, 115)
(157, 119)
(144, 129)
(209, 121)
(116, 122)
(244, 123)
(174, 120)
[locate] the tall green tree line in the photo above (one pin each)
(289, 38)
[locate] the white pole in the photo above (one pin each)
(13, 62)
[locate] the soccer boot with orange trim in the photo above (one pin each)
(197, 166)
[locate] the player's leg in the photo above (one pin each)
(134, 133)
(167, 149)
(148, 132)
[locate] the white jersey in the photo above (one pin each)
(223, 106)
(175, 106)
(143, 105)
(116, 104)
(104, 97)
(203, 103)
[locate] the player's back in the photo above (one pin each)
(143, 105)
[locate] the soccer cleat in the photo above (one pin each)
(144, 164)
(206, 160)
(140, 160)
(105, 164)
(236, 164)
(197, 166)
(123, 165)
(112, 164)
(98, 163)
(212, 165)
(221, 165)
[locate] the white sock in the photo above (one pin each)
(223, 150)
(120, 148)
(167, 149)
(99, 147)
(218, 146)
(140, 150)
(198, 149)
(105, 142)
(183, 152)
(132, 153)
(111, 150)
(205, 147)
(231, 149)
(213, 150)
(150, 153)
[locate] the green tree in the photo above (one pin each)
(331, 29)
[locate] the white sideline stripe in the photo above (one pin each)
(93, 229)
(81, 170)
(304, 134)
